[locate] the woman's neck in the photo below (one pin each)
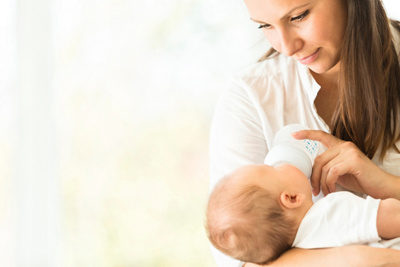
(328, 96)
(328, 80)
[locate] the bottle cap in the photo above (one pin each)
(292, 155)
(288, 150)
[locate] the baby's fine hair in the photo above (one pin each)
(248, 223)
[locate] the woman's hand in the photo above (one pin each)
(344, 164)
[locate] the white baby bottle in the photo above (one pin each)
(288, 150)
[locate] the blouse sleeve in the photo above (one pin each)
(236, 139)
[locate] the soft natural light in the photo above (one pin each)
(105, 108)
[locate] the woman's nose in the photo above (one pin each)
(289, 43)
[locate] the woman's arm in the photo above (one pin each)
(333, 257)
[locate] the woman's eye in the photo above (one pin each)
(301, 17)
(297, 18)
(264, 26)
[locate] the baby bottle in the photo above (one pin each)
(288, 150)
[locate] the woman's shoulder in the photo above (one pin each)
(268, 68)
(279, 73)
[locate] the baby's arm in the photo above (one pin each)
(388, 221)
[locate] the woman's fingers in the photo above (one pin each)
(315, 179)
(322, 165)
(334, 173)
(326, 172)
(330, 165)
(326, 139)
(331, 173)
(343, 162)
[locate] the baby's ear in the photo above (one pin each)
(291, 201)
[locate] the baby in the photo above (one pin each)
(258, 212)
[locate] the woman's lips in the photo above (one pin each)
(310, 58)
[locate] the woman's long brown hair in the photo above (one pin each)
(369, 80)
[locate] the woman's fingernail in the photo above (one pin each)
(314, 192)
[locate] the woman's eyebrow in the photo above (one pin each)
(259, 22)
(287, 14)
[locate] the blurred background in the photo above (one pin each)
(105, 108)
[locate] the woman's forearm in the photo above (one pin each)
(341, 256)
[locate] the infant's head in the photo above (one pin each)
(245, 215)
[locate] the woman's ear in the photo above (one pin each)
(291, 201)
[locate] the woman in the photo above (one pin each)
(333, 67)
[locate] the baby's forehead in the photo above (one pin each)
(240, 181)
(245, 173)
(229, 187)
(243, 179)
(253, 175)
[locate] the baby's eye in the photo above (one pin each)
(300, 17)
(264, 26)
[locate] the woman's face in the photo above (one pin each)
(310, 31)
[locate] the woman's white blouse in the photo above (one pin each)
(256, 104)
